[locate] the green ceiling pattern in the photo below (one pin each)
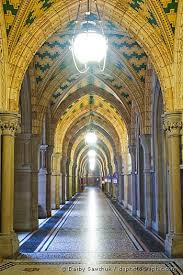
(91, 80)
(58, 45)
(170, 8)
(10, 8)
(38, 7)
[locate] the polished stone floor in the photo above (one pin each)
(88, 233)
(90, 228)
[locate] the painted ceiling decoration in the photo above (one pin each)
(126, 65)
(56, 78)
(58, 44)
(170, 8)
(37, 7)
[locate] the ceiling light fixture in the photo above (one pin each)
(89, 44)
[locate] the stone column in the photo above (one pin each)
(120, 182)
(146, 144)
(173, 124)
(8, 239)
(74, 187)
(26, 182)
(23, 173)
(125, 178)
(63, 197)
(70, 179)
(63, 171)
(34, 185)
(55, 180)
(49, 153)
(132, 151)
(57, 191)
(78, 184)
(42, 182)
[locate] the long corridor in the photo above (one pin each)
(89, 227)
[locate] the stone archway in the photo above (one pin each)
(50, 21)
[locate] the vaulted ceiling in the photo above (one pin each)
(59, 85)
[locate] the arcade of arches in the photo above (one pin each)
(137, 114)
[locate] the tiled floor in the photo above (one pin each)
(91, 228)
(90, 233)
(23, 236)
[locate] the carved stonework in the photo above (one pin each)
(7, 126)
(9, 123)
(172, 123)
(173, 127)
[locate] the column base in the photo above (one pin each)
(9, 245)
(174, 245)
(26, 227)
(57, 206)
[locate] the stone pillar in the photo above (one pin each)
(132, 151)
(26, 170)
(34, 185)
(70, 178)
(67, 187)
(8, 239)
(57, 191)
(146, 144)
(120, 182)
(173, 124)
(63, 189)
(22, 195)
(74, 187)
(78, 184)
(56, 178)
(63, 171)
(42, 182)
(49, 153)
(125, 179)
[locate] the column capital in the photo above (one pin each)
(43, 147)
(9, 123)
(173, 123)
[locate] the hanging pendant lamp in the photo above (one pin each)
(89, 44)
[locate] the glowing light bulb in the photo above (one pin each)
(90, 47)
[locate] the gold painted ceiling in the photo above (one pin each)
(55, 80)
